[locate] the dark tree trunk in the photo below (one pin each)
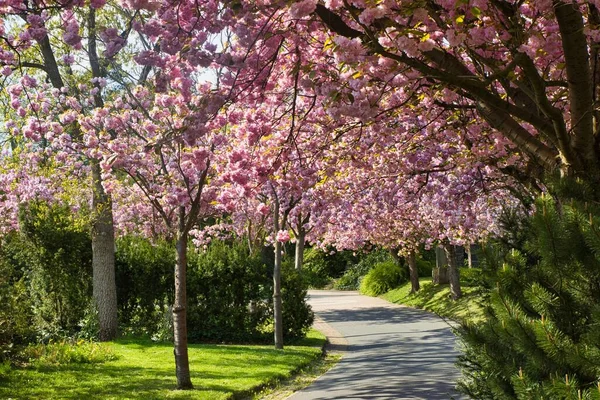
(103, 258)
(453, 272)
(182, 364)
(413, 272)
(299, 259)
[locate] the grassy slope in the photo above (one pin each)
(437, 299)
(146, 370)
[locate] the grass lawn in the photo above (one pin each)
(146, 370)
(436, 298)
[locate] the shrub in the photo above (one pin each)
(541, 338)
(144, 274)
(68, 352)
(354, 274)
(16, 310)
(46, 275)
(230, 296)
(320, 268)
(425, 266)
(297, 314)
(384, 277)
(315, 268)
(471, 276)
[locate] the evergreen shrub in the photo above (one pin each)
(321, 268)
(355, 273)
(384, 277)
(471, 277)
(230, 297)
(541, 338)
(145, 275)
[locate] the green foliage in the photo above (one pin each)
(384, 277)
(45, 277)
(227, 294)
(425, 266)
(297, 315)
(354, 274)
(471, 276)
(320, 268)
(230, 296)
(145, 275)
(68, 352)
(56, 252)
(16, 312)
(541, 339)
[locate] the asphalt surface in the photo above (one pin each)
(392, 352)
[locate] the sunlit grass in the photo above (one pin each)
(436, 298)
(145, 370)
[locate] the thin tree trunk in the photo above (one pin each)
(182, 364)
(469, 256)
(453, 273)
(413, 272)
(277, 303)
(299, 259)
(103, 258)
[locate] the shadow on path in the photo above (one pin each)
(393, 352)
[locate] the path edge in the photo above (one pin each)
(335, 341)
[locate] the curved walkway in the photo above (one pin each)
(393, 352)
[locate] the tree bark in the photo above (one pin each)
(299, 256)
(469, 256)
(453, 272)
(182, 364)
(413, 272)
(277, 303)
(103, 258)
(103, 233)
(440, 272)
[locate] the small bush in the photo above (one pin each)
(471, 276)
(320, 268)
(425, 267)
(68, 352)
(384, 277)
(354, 274)
(297, 314)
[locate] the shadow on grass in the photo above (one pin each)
(436, 298)
(146, 370)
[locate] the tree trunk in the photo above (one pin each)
(440, 272)
(469, 257)
(103, 258)
(453, 272)
(413, 272)
(182, 364)
(277, 304)
(299, 259)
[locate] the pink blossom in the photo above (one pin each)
(301, 9)
(283, 236)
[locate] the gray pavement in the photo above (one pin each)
(392, 352)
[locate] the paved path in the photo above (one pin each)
(393, 352)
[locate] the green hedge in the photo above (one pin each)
(230, 297)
